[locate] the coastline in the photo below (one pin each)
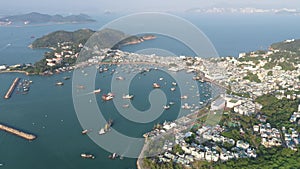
(141, 157)
(15, 71)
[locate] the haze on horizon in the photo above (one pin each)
(96, 7)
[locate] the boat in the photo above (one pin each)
(97, 91)
(80, 87)
(161, 79)
(171, 103)
(166, 107)
(107, 97)
(84, 131)
(186, 106)
(119, 78)
(113, 156)
(66, 77)
(127, 96)
(84, 155)
(106, 128)
(155, 85)
(125, 105)
(173, 89)
(184, 97)
(60, 83)
(174, 83)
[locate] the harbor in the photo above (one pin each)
(12, 88)
(16, 132)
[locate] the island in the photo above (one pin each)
(38, 18)
(65, 46)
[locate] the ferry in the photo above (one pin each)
(127, 96)
(60, 83)
(107, 97)
(83, 155)
(106, 128)
(155, 85)
(97, 91)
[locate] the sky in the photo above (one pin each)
(128, 6)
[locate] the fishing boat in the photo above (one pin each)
(59, 83)
(125, 105)
(84, 131)
(97, 91)
(166, 107)
(127, 96)
(119, 78)
(106, 128)
(107, 97)
(155, 85)
(66, 77)
(113, 156)
(184, 97)
(90, 156)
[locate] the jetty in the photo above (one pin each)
(17, 132)
(12, 88)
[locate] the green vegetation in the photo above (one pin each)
(252, 77)
(269, 158)
(278, 111)
(291, 46)
(52, 39)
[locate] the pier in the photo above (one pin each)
(17, 132)
(12, 88)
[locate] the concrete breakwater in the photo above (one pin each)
(12, 88)
(17, 132)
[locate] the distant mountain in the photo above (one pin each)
(36, 18)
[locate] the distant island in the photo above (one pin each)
(65, 47)
(38, 18)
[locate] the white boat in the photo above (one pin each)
(119, 78)
(125, 105)
(59, 83)
(127, 96)
(161, 79)
(102, 131)
(173, 89)
(97, 91)
(184, 97)
(108, 96)
(166, 107)
(84, 155)
(174, 83)
(155, 85)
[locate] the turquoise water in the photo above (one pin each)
(48, 112)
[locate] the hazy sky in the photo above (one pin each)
(99, 6)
